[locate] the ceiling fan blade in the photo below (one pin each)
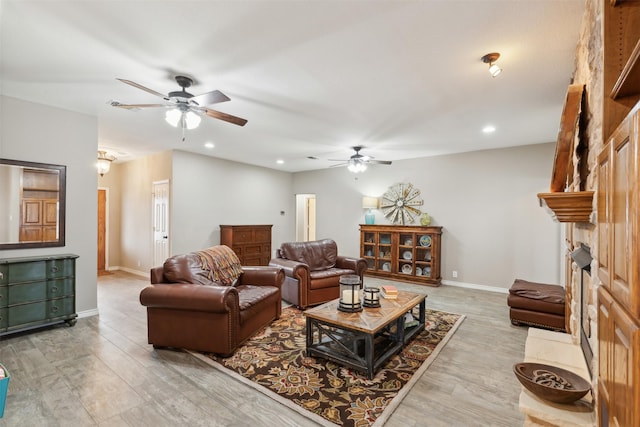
(338, 164)
(226, 117)
(213, 97)
(135, 106)
(146, 89)
(380, 162)
(338, 160)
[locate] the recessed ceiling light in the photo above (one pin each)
(280, 161)
(489, 129)
(209, 145)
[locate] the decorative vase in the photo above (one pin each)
(425, 219)
(369, 217)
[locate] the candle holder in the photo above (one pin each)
(371, 297)
(350, 294)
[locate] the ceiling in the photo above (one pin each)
(404, 79)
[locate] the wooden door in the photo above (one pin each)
(102, 230)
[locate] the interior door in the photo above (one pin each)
(102, 230)
(161, 241)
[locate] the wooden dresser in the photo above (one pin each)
(37, 291)
(252, 243)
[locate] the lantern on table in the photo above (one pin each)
(371, 297)
(350, 293)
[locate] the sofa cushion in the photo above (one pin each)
(553, 294)
(220, 265)
(185, 268)
(318, 254)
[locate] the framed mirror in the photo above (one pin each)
(32, 204)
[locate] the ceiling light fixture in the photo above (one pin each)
(104, 162)
(488, 129)
(356, 166)
(491, 58)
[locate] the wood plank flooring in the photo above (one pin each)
(103, 372)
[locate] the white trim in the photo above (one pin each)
(88, 313)
(476, 286)
(144, 274)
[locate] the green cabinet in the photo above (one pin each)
(37, 291)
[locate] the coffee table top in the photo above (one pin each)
(369, 320)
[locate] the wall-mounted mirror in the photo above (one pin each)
(32, 204)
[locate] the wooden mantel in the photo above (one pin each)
(567, 206)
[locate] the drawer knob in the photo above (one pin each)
(54, 289)
(54, 308)
(54, 269)
(1, 275)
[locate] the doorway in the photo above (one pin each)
(305, 217)
(103, 210)
(161, 241)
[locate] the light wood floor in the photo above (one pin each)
(103, 372)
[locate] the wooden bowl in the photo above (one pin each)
(551, 383)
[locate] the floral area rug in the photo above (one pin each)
(274, 362)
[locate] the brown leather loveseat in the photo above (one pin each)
(313, 271)
(206, 301)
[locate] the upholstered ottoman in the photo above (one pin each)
(537, 304)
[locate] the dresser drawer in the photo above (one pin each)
(19, 315)
(60, 287)
(27, 292)
(4, 296)
(3, 319)
(60, 268)
(4, 274)
(61, 307)
(27, 272)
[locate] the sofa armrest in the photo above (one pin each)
(262, 276)
(359, 265)
(295, 269)
(186, 296)
(157, 275)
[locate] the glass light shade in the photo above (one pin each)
(173, 117)
(103, 166)
(356, 166)
(104, 162)
(494, 70)
(192, 119)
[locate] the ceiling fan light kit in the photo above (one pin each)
(186, 110)
(491, 58)
(358, 163)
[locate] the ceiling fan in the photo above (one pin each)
(358, 162)
(185, 109)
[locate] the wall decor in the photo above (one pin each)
(399, 203)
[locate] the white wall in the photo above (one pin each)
(494, 229)
(38, 133)
(207, 192)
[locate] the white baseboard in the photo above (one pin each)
(476, 286)
(88, 313)
(144, 274)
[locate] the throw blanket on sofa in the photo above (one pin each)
(221, 264)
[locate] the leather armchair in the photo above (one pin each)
(313, 271)
(185, 309)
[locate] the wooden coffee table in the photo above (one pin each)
(363, 340)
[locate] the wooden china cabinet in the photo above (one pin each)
(402, 252)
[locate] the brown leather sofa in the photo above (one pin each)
(313, 271)
(537, 304)
(201, 303)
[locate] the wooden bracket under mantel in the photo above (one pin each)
(570, 206)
